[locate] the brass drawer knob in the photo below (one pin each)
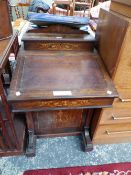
(124, 100)
(119, 118)
(117, 132)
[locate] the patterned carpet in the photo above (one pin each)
(65, 152)
(106, 169)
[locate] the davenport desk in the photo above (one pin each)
(58, 87)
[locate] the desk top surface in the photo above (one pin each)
(58, 75)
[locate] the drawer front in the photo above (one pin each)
(61, 104)
(114, 115)
(113, 133)
(40, 45)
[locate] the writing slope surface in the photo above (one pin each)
(81, 73)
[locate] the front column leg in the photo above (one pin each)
(31, 141)
(87, 143)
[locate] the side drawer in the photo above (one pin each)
(114, 115)
(113, 133)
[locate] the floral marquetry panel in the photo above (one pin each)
(52, 122)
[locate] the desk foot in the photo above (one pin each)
(31, 144)
(87, 143)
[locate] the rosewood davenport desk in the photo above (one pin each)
(57, 83)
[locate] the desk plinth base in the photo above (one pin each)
(57, 123)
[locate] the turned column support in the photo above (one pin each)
(31, 140)
(87, 142)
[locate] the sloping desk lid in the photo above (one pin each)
(60, 75)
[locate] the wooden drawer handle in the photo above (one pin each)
(125, 100)
(120, 118)
(117, 132)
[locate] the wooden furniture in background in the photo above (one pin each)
(18, 10)
(5, 23)
(8, 46)
(24, 2)
(68, 3)
(12, 129)
(84, 5)
(117, 56)
(114, 46)
(127, 2)
(122, 7)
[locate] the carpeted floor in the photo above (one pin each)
(65, 152)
